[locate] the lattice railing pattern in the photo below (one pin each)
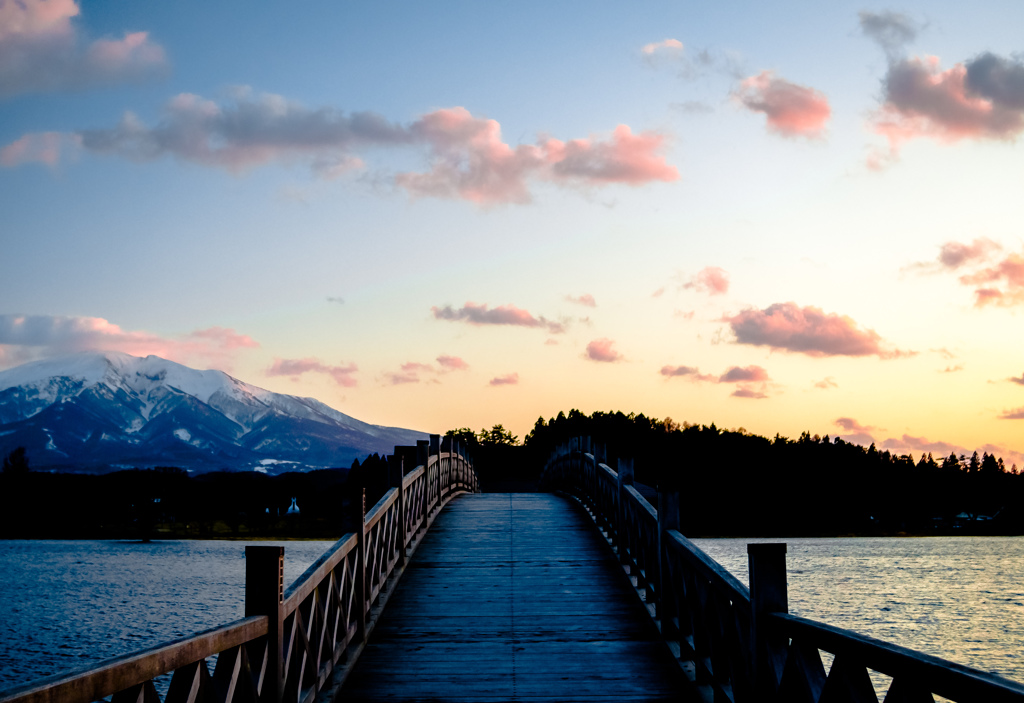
(320, 619)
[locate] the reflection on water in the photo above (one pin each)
(959, 598)
(69, 604)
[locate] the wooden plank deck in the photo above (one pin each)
(513, 596)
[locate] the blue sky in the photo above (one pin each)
(781, 217)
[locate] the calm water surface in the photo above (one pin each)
(69, 604)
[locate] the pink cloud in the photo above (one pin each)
(792, 110)
(1017, 414)
(1000, 284)
(953, 369)
(510, 379)
(28, 337)
(980, 99)
(481, 314)
(690, 372)
(748, 392)
(851, 425)
(738, 374)
(908, 443)
(1018, 381)
(602, 350)
(953, 255)
(658, 293)
(37, 147)
(470, 161)
(416, 367)
(862, 438)
(808, 330)
(585, 299)
(452, 363)
(295, 368)
(672, 47)
(631, 159)
(826, 383)
(41, 50)
(711, 280)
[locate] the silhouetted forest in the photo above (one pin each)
(168, 502)
(734, 482)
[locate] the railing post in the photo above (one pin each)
(769, 593)
(396, 474)
(669, 518)
(360, 575)
(434, 449)
(621, 528)
(264, 595)
(421, 460)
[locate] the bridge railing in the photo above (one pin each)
(739, 644)
(293, 646)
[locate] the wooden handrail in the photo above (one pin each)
(317, 571)
(119, 673)
(374, 514)
(709, 568)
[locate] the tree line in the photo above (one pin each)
(734, 482)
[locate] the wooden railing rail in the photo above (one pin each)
(737, 644)
(132, 674)
(294, 646)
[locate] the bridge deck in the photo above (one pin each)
(513, 597)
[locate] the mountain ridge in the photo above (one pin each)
(109, 410)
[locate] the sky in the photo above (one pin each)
(781, 217)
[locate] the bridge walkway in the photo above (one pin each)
(513, 596)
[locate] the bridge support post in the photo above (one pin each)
(768, 594)
(669, 518)
(264, 595)
(622, 527)
(396, 474)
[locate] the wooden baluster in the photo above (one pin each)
(264, 595)
(189, 683)
(905, 689)
(140, 693)
(622, 529)
(396, 474)
(848, 682)
(769, 593)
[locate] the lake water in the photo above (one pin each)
(69, 604)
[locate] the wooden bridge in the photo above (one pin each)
(449, 594)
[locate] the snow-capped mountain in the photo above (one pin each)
(95, 410)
